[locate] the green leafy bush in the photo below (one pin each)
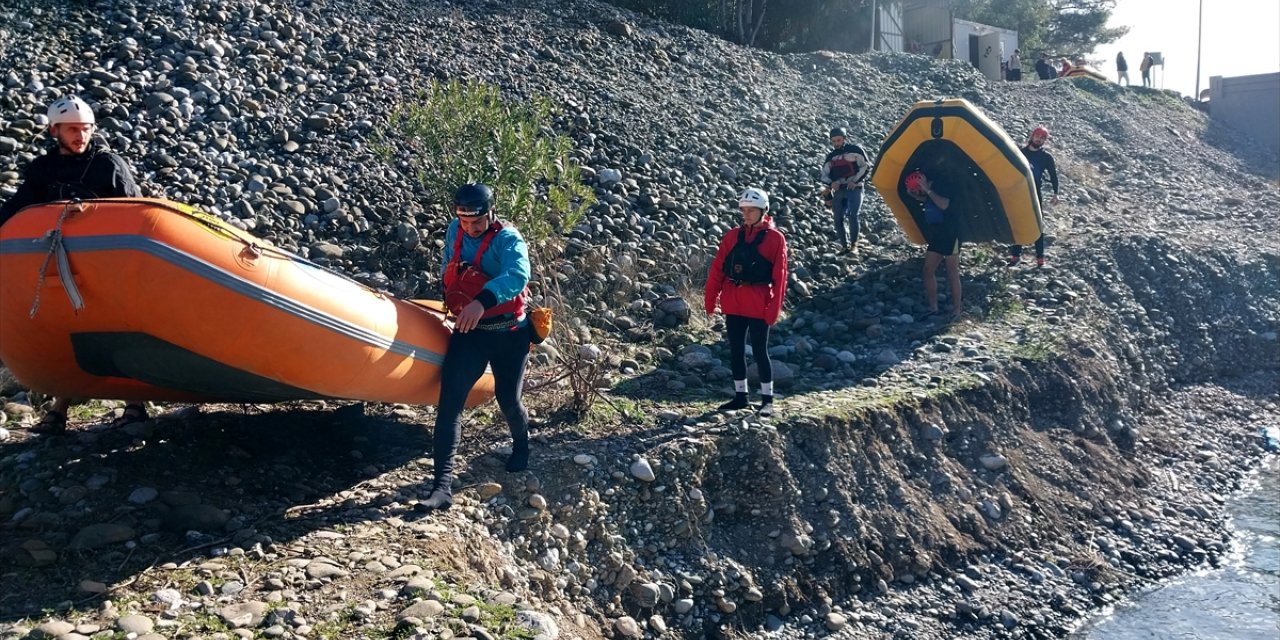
(460, 132)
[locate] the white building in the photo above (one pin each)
(928, 27)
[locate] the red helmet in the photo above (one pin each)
(1041, 132)
(912, 181)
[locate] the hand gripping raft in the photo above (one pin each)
(179, 305)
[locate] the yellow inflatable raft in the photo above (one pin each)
(992, 190)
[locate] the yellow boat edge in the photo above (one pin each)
(983, 141)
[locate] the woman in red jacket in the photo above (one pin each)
(749, 278)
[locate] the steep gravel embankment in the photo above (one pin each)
(1070, 440)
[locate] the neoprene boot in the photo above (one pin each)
(739, 401)
(766, 406)
(441, 498)
(519, 460)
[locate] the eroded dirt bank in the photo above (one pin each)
(1072, 438)
(1076, 461)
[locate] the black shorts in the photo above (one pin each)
(943, 239)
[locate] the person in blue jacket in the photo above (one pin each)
(941, 231)
(485, 269)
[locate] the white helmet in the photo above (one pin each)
(754, 197)
(70, 110)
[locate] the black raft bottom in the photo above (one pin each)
(973, 196)
(148, 359)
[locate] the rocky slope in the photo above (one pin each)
(1068, 441)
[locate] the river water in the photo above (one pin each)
(1239, 601)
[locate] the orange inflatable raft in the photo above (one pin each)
(141, 299)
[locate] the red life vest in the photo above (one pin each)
(463, 281)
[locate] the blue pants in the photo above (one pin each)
(845, 204)
(506, 353)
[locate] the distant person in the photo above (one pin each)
(1145, 68)
(1043, 69)
(1122, 69)
(77, 166)
(942, 232)
(843, 171)
(1065, 68)
(1015, 66)
(486, 270)
(749, 279)
(1040, 161)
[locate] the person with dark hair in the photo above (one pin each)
(78, 167)
(941, 232)
(843, 171)
(1043, 69)
(1041, 161)
(1015, 66)
(748, 279)
(1147, 62)
(485, 270)
(1122, 69)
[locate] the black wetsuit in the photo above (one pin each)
(1040, 161)
(96, 173)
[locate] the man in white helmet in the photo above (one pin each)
(79, 167)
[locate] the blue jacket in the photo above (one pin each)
(506, 261)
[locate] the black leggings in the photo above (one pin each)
(506, 353)
(736, 327)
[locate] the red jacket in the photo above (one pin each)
(762, 301)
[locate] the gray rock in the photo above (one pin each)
(100, 535)
(143, 495)
(424, 609)
(627, 627)
(641, 470)
(321, 570)
(52, 629)
(196, 517)
(646, 594)
(834, 621)
(326, 250)
(243, 615)
(135, 623)
(993, 461)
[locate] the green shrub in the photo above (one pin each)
(460, 132)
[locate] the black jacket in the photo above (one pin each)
(1041, 161)
(96, 173)
(1043, 69)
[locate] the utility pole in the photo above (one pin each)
(1199, 41)
(873, 27)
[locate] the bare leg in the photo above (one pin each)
(55, 418)
(60, 405)
(931, 261)
(953, 278)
